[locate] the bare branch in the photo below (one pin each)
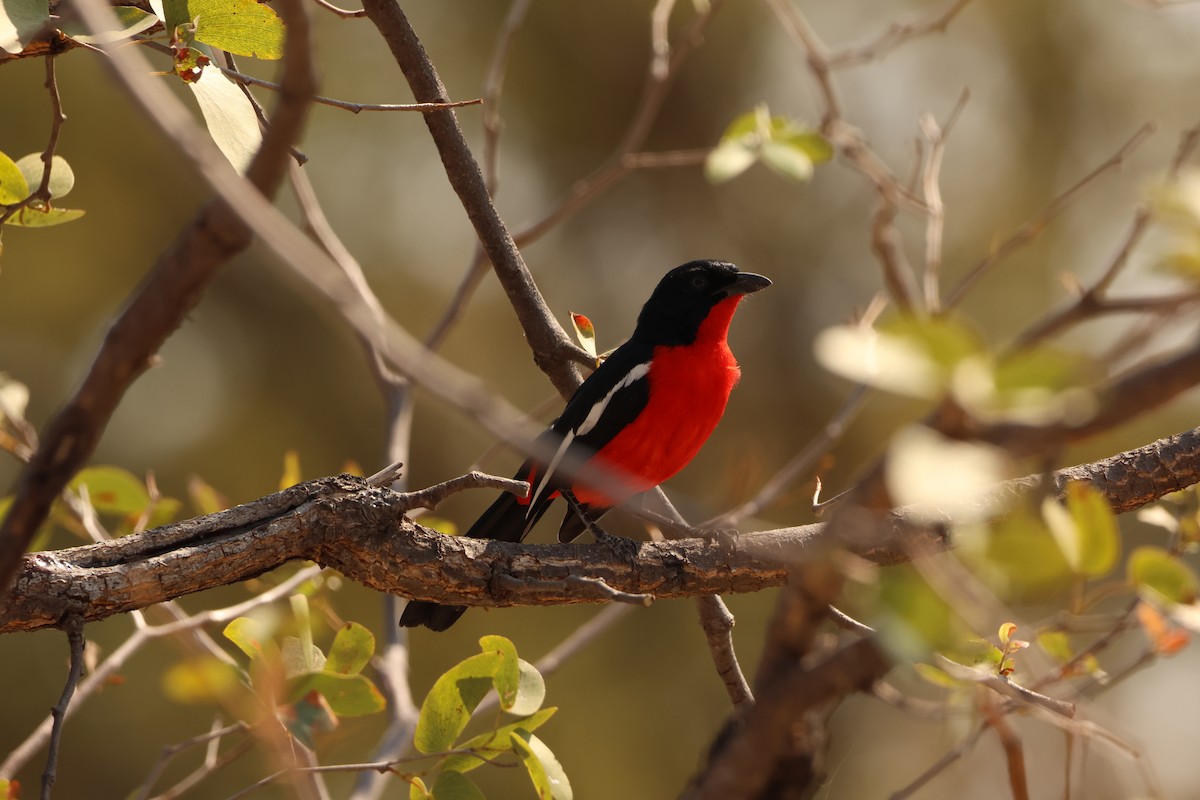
(433, 495)
(897, 34)
(74, 627)
(354, 108)
(1030, 230)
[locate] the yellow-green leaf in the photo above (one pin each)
(1153, 569)
(29, 217)
(13, 186)
(242, 27)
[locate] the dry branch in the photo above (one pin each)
(361, 531)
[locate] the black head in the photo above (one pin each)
(685, 296)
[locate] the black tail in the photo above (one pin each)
(506, 520)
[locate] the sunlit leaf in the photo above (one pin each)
(1153, 569)
(531, 690)
(507, 676)
(548, 777)
(251, 637)
(1057, 645)
(348, 695)
(29, 217)
(62, 177)
(585, 332)
(13, 186)
(416, 789)
(242, 27)
(1016, 556)
(489, 746)
(229, 116)
(295, 662)
(936, 676)
(20, 22)
(728, 160)
(14, 399)
(913, 620)
(351, 650)
(941, 477)
(788, 160)
(130, 22)
(448, 706)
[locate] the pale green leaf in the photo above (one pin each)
(62, 177)
(130, 22)
(727, 160)
(251, 637)
(507, 676)
(20, 21)
(940, 477)
(531, 691)
(788, 161)
(549, 780)
(229, 116)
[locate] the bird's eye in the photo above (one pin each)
(699, 282)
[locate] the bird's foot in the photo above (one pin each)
(622, 547)
(724, 538)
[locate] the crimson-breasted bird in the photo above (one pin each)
(645, 412)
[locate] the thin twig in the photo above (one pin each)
(431, 496)
(936, 217)
(74, 629)
(354, 108)
(169, 752)
(1032, 228)
(341, 12)
(896, 35)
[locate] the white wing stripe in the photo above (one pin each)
(636, 374)
(541, 487)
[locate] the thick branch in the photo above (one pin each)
(361, 531)
(553, 350)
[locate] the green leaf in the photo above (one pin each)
(241, 27)
(29, 217)
(348, 695)
(456, 786)
(1086, 530)
(448, 706)
(728, 160)
(62, 177)
(295, 662)
(488, 746)
(13, 186)
(351, 650)
(914, 620)
(508, 673)
(814, 145)
(549, 779)
(416, 789)
(130, 22)
(252, 638)
(531, 690)
(788, 161)
(20, 22)
(1155, 570)
(113, 490)
(1018, 558)
(200, 680)
(229, 117)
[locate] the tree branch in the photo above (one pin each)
(361, 531)
(172, 289)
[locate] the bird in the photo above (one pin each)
(643, 413)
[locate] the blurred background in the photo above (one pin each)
(263, 367)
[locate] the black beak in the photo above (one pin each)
(746, 283)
